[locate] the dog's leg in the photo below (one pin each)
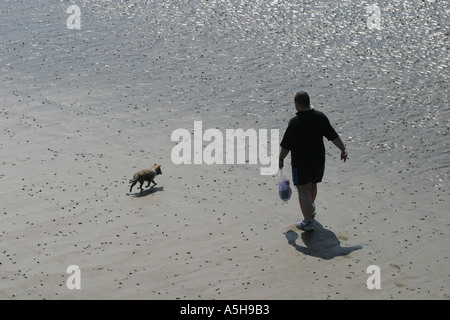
(154, 183)
(141, 182)
(148, 184)
(132, 185)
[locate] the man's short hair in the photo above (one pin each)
(302, 98)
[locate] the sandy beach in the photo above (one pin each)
(80, 115)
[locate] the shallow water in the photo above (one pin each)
(385, 90)
(82, 110)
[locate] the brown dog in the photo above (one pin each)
(146, 175)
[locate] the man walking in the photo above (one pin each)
(304, 138)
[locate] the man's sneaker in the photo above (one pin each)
(305, 226)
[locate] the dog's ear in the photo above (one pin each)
(155, 165)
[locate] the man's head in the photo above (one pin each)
(301, 100)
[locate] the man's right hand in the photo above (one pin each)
(344, 155)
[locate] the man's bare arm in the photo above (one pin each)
(283, 153)
(338, 143)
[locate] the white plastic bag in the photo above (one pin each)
(284, 188)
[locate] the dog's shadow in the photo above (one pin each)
(321, 243)
(146, 192)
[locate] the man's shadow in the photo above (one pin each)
(321, 243)
(146, 192)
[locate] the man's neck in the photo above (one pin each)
(303, 109)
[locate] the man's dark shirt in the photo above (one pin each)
(304, 138)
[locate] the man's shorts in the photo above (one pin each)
(307, 175)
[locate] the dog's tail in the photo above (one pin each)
(135, 178)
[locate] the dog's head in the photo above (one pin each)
(157, 168)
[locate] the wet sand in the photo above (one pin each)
(78, 120)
